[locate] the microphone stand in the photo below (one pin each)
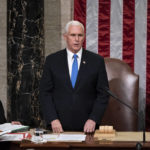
(138, 145)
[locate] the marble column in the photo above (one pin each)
(66, 15)
(25, 59)
(56, 14)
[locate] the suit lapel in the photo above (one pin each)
(66, 69)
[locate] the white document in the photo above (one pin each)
(71, 137)
(12, 137)
(4, 132)
(65, 137)
(50, 137)
(8, 127)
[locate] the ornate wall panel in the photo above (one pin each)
(25, 59)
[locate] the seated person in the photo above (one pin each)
(2, 116)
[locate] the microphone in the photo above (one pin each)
(120, 101)
(106, 89)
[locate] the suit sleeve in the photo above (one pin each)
(2, 116)
(46, 99)
(102, 97)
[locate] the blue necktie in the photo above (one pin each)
(74, 70)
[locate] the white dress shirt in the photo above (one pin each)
(71, 59)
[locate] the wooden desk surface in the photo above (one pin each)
(83, 145)
(89, 143)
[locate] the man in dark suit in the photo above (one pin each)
(76, 105)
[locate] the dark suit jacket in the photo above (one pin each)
(2, 116)
(73, 107)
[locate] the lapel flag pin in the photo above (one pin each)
(84, 62)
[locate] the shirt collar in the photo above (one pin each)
(70, 54)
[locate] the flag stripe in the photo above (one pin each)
(104, 28)
(128, 32)
(80, 14)
(148, 68)
(116, 29)
(92, 25)
(140, 49)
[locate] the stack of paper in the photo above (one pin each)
(8, 127)
(13, 137)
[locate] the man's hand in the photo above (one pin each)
(56, 126)
(89, 126)
(16, 122)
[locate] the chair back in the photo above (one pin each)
(124, 83)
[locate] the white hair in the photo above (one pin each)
(74, 23)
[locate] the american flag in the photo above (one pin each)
(120, 29)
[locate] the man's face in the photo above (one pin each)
(74, 38)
